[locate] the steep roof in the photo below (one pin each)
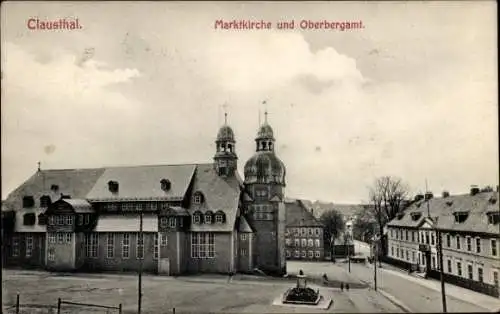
(219, 194)
(73, 182)
(243, 225)
(298, 215)
(143, 183)
(442, 212)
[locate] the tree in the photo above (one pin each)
(388, 197)
(365, 225)
(334, 225)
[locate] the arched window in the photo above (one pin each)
(230, 148)
(220, 217)
(197, 217)
(208, 217)
(198, 197)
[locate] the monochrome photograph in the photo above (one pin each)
(249, 157)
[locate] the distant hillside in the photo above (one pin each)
(317, 208)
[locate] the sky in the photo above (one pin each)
(412, 95)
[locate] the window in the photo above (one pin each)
(318, 243)
(244, 236)
(310, 231)
(470, 272)
(459, 268)
(478, 245)
(448, 240)
(28, 202)
(172, 222)
(406, 235)
(423, 260)
(139, 246)
(29, 219)
(493, 218)
(126, 245)
(494, 250)
(297, 254)
(450, 270)
(91, 244)
(311, 254)
(407, 255)
(202, 245)
(208, 218)
(60, 237)
(165, 184)
(495, 278)
(68, 236)
(51, 220)
(469, 243)
(163, 239)
(45, 201)
(460, 217)
(427, 238)
(87, 219)
(318, 254)
(413, 236)
(392, 233)
(310, 243)
(304, 242)
(480, 274)
(244, 252)
(79, 219)
(433, 239)
(317, 231)
(219, 218)
(413, 256)
(110, 246)
(397, 252)
(156, 248)
(15, 245)
(304, 254)
(458, 242)
(297, 242)
(392, 250)
(51, 256)
(52, 237)
(163, 222)
(196, 218)
(433, 262)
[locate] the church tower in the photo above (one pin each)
(265, 184)
(225, 159)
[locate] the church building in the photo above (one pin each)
(165, 219)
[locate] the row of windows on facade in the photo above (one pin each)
(459, 216)
(424, 238)
(449, 269)
(208, 217)
(303, 254)
(303, 242)
(303, 231)
(202, 244)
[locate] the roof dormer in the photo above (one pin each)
(165, 184)
(416, 216)
(461, 216)
(113, 186)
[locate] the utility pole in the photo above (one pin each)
(375, 255)
(349, 253)
(141, 238)
(441, 272)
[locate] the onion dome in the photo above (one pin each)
(265, 167)
(265, 132)
(225, 134)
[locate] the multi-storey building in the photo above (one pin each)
(170, 219)
(304, 238)
(470, 234)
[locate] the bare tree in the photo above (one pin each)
(364, 226)
(334, 226)
(388, 196)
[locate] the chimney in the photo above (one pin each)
(428, 195)
(312, 211)
(474, 190)
(446, 194)
(418, 197)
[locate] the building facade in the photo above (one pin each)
(470, 233)
(167, 219)
(304, 237)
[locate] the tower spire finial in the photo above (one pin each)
(39, 166)
(225, 112)
(265, 111)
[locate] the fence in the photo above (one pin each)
(60, 302)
